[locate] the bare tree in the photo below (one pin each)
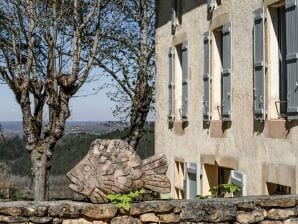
(41, 43)
(127, 56)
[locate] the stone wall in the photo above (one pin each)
(264, 209)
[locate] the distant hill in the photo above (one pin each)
(92, 127)
(69, 150)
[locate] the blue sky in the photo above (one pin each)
(90, 108)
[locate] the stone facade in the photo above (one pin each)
(264, 210)
(263, 152)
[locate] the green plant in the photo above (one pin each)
(124, 200)
(225, 188)
(203, 196)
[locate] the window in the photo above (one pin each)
(217, 67)
(186, 180)
(277, 54)
(215, 175)
(179, 177)
(281, 56)
(277, 189)
(178, 83)
(192, 180)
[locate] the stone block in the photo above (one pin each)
(141, 208)
(149, 217)
(209, 211)
(100, 212)
(99, 222)
(280, 214)
(250, 217)
(277, 202)
(13, 219)
(164, 207)
(270, 222)
(11, 211)
(41, 220)
(291, 221)
(125, 220)
(76, 221)
(169, 218)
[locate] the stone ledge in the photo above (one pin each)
(262, 209)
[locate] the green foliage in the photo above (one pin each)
(203, 196)
(225, 188)
(124, 200)
(221, 190)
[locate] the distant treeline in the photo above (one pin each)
(69, 151)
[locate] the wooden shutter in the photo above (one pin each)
(291, 58)
(171, 86)
(184, 82)
(259, 65)
(173, 16)
(207, 77)
(226, 73)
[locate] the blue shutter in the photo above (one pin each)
(259, 65)
(226, 73)
(184, 82)
(207, 77)
(171, 86)
(291, 58)
(173, 16)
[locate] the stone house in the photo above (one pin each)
(226, 94)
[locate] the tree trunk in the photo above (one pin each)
(140, 109)
(137, 130)
(40, 173)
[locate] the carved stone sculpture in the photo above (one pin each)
(112, 166)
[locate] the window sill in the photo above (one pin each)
(276, 129)
(216, 129)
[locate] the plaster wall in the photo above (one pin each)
(254, 148)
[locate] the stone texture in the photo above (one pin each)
(280, 214)
(208, 211)
(125, 220)
(12, 219)
(169, 218)
(164, 207)
(250, 217)
(280, 202)
(57, 221)
(76, 221)
(64, 210)
(140, 208)
(270, 222)
(149, 217)
(13, 211)
(232, 210)
(114, 166)
(247, 206)
(100, 212)
(291, 221)
(41, 219)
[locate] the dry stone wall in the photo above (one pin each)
(263, 209)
